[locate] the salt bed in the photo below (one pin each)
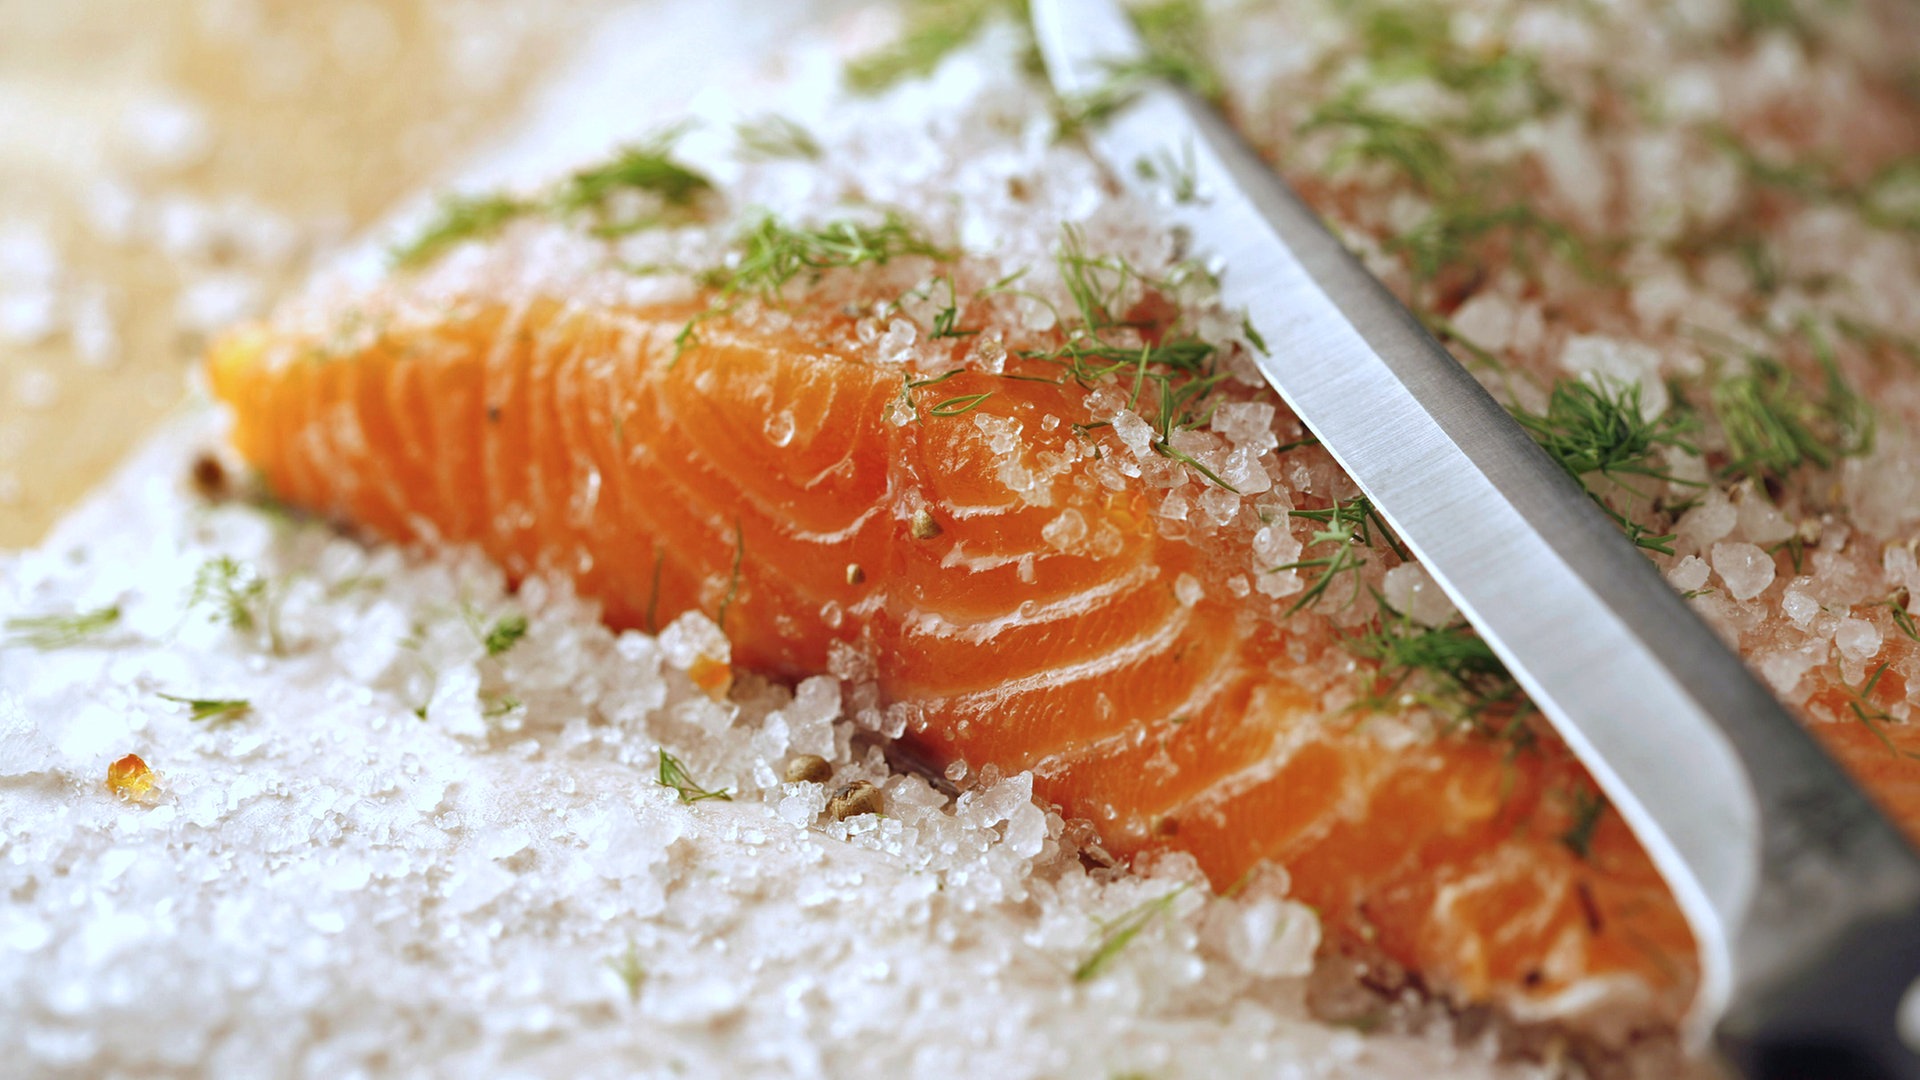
(410, 856)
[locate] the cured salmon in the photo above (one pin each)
(1016, 611)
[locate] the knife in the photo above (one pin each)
(1804, 900)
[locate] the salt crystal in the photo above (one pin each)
(1412, 592)
(167, 133)
(1219, 505)
(1244, 473)
(1744, 568)
(1799, 607)
(28, 317)
(1857, 639)
(692, 636)
(1689, 574)
(1066, 531)
(1135, 432)
(1246, 424)
(1188, 590)
(1712, 520)
(896, 345)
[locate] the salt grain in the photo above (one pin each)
(1745, 569)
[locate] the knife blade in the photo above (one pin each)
(1777, 859)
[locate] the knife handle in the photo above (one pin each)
(1838, 1017)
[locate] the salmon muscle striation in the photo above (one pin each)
(1016, 611)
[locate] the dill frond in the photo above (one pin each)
(1774, 423)
(1591, 428)
(1871, 716)
(504, 634)
(1347, 526)
(458, 219)
(955, 406)
(239, 597)
(631, 972)
(674, 775)
(773, 253)
(646, 166)
(1119, 933)
(47, 632)
(936, 29)
(1450, 669)
(772, 137)
(213, 710)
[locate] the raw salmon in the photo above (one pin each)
(1016, 611)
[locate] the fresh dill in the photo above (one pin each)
(1872, 716)
(47, 632)
(1603, 429)
(1168, 369)
(1450, 669)
(1586, 808)
(647, 167)
(213, 710)
(773, 253)
(630, 971)
(955, 406)
(936, 28)
(456, 220)
(1902, 620)
(1775, 423)
(674, 775)
(1119, 933)
(504, 634)
(773, 136)
(1174, 48)
(733, 576)
(239, 597)
(1347, 527)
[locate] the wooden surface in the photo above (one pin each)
(184, 163)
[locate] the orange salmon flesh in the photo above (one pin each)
(757, 477)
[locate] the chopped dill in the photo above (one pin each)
(774, 136)
(733, 576)
(1902, 621)
(458, 219)
(1603, 428)
(504, 634)
(1871, 716)
(1450, 669)
(495, 707)
(772, 253)
(1775, 423)
(47, 632)
(646, 166)
(1119, 933)
(1168, 366)
(631, 972)
(1174, 47)
(1347, 525)
(239, 596)
(955, 406)
(213, 710)
(674, 775)
(1586, 807)
(935, 30)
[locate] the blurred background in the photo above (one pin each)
(170, 166)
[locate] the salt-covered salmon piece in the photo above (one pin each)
(1013, 614)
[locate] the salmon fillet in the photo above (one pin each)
(762, 477)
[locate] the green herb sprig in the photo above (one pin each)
(1119, 933)
(674, 775)
(48, 632)
(214, 711)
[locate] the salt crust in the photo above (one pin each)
(334, 885)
